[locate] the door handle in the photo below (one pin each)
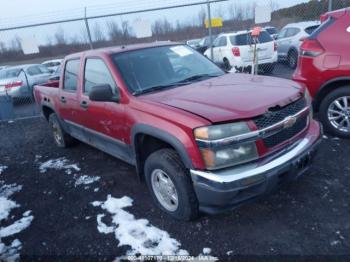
(84, 104)
(63, 99)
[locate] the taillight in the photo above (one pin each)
(236, 51)
(311, 47)
(274, 46)
(14, 84)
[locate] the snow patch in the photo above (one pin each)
(206, 251)
(11, 252)
(139, 234)
(58, 164)
(2, 169)
(85, 180)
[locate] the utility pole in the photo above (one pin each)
(210, 31)
(330, 5)
(88, 30)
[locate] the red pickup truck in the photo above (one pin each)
(202, 139)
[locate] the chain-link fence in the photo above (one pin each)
(63, 32)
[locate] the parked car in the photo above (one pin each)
(236, 50)
(204, 44)
(18, 81)
(272, 31)
(194, 43)
(290, 38)
(201, 138)
(324, 67)
(52, 65)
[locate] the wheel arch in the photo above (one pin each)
(327, 88)
(148, 139)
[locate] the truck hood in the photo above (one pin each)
(230, 97)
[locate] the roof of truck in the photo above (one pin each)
(122, 48)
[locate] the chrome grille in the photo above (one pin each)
(279, 114)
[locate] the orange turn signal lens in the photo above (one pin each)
(201, 133)
(208, 157)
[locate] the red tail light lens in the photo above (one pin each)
(274, 46)
(236, 51)
(14, 84)
(311, 48)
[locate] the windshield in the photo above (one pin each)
(9, 73)
(162, 67)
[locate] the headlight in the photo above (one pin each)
(227, 155)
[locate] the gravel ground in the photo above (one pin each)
(310, 217)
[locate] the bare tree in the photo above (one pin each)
(15, 44)
(2, 47)
(98, 33)
(201, 16)
(274, 5)
(114, 32)
(60, 36)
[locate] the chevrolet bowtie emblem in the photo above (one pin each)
(289, 122)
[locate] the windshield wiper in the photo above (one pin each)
(197, 77)
(158, 88)
(182, 82)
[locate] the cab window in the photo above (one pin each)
(71, 73)
(97, 73)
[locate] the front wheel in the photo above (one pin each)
(335, 112)
(170, 185)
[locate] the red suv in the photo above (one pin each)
(324, 67)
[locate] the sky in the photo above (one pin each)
(36, 11)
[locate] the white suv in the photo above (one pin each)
(289, 40)
(235, 50)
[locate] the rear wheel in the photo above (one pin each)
(292, 59)
(170, 185)
(227, 65)
(335, 112)
(61, 138)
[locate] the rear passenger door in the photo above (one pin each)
(68, 98)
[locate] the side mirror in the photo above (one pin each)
(102, 93)
(275, 37)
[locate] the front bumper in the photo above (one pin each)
(223, 190)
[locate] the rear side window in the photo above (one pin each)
(246, 39)
(97, 73)
(322, 27)
(271, 30)
(311, 29)
(292, 32)
(71, 73)
(37, 70)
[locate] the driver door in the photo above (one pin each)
(104, 122)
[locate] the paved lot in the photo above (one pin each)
(308, 217)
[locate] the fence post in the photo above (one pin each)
(210, 31)
(88, 29)
(330, 5)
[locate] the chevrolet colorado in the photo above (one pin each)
(202, 139)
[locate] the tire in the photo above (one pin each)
(167, 163)
(292, 59)
(227, 65)
(328, 109)
(61, 138)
